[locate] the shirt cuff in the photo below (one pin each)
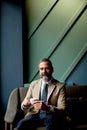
(51, 108)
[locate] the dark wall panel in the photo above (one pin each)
(11, 50)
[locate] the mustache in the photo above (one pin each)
(45, 74)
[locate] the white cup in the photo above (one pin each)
(32, 100)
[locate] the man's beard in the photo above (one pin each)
(46, 77)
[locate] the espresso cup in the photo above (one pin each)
(32, 100)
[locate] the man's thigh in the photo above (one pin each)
(53, 121)
(30, 122)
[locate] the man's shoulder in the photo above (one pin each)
(55, 81)
(36, 81)
(58, 83)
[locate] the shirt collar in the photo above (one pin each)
(49, 82)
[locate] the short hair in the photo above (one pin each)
(46, 60)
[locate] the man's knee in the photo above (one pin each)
(55, 121)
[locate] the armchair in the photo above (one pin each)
(76, 111)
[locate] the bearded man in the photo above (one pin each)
(44, 107)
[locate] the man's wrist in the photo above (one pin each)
(24, 107)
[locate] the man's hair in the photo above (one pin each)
(46, 60)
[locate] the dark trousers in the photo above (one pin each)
(51, 122)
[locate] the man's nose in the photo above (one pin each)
(44, 70)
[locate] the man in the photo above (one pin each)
(49, 112)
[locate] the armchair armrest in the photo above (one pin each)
(14, 113)
(12, 106)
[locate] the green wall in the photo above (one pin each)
(57, 30)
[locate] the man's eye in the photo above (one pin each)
(47, 68)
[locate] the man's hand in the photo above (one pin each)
(40, 105)
(26, 102)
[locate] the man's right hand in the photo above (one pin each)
(25, 104)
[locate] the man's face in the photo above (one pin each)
(45, 70)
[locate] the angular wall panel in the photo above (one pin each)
(59, 34)
(36, 10)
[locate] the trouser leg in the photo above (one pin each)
(54, 122)
(30, 123)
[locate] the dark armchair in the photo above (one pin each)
(76, 111)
